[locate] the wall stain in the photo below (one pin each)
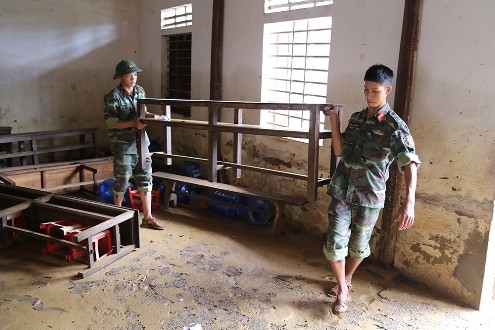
(441, 246)
(465, 206)
(4, 112)
(277, 162)
(468, 270)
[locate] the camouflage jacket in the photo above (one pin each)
(369, 148)
(121, 106)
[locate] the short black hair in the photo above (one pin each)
(380, 73)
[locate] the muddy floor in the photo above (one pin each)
(220, 274)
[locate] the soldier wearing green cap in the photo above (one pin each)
(122, 121)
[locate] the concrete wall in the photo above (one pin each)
(452, 118)
(58, 59)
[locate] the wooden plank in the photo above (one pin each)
(44, 237)
(25, 193)
(237, 143)
(57, 211)
(116, 238)
(108, 224)
(167, 136)
(61, 175)
(87, 205)
(266, 170)
(313, 154)
(238, 104)
(142, 148)
(14, 208)
(5, 180)
(69, 185)
(35, 142)
(45, 150)
(290, 199)
(221, 164)
(90, 163)
(216, 62)
(63, 132)
(21, 154)
(240, 128)
(6, 198)
(105, 261)
(213, 138)
(34, 148)
(402, 104)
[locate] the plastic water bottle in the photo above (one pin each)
(225, 210)
(260, 218)
(191, 169)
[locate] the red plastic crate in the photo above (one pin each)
(102, 242)
(135, 199)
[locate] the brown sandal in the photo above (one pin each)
(152, 223)
(335, 290)
(339, 306)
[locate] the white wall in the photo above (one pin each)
(58, 60)
(452, 119)
(150, 41)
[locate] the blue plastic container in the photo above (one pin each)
(191, 169)
(225, 210)
(105, 191)
(184, 193)
(260, 218)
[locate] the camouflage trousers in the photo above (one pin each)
(349, 230)
(127, 166)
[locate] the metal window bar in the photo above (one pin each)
(287, 5)
(176, 17)
(290, 80)
(179, 70)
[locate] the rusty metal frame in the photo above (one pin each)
(214, 127)
(38, 206)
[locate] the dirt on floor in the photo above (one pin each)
(216, 273)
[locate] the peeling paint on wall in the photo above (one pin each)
(469, 270)
(462, 205)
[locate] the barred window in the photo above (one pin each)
(295, 68)
(273, 6)
(178, 85)
(176, 16)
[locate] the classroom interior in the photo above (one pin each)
(246, 269)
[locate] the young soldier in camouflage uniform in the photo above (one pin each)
(373, 139)
(122, 121)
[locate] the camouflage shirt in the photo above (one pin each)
(119, 105)
(369, 148)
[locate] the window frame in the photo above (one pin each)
(293, 119)
(174, 17)
(276, 6)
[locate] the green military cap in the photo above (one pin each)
(125, 66)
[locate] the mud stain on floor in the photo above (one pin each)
(219, 273)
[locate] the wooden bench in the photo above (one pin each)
(27, 148)
(83, 175)
(279, 200)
